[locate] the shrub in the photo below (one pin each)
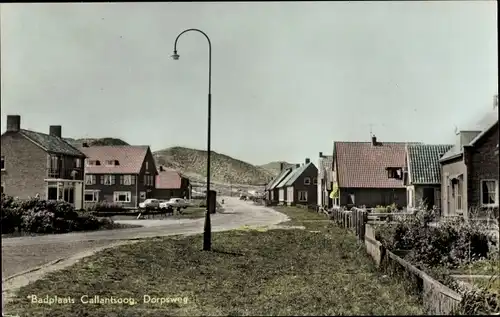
(41, 216)
(451, 243)
(106, 207)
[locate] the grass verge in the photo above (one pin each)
(318, 271)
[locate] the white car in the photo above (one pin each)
(150, 204)
(174, 203)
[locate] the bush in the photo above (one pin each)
(41, 216)
(105, 206)
(450, 244)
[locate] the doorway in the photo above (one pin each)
(428, 197)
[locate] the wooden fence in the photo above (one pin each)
(438, 299)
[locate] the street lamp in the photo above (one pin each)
(207, 231)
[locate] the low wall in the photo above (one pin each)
(438, 299)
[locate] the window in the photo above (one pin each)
(2, 163)
(142, 195)
(149, 180)
(91, 196)
(351, 199)
(147, 166)
(110, 162)
(93, 162)
(302, 195)
(394, 172)
(457, 190)
(307, 181)
(489, 193)
(90, 179)
(122, 197)
(78, 163)
(54, 162)
(108, 179)
(127, 179)
(315, 181)
(2, 189)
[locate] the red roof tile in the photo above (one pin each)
(168, 179)
(362, 165)
(129, 157)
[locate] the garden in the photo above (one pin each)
(463, 256)
(38, 216)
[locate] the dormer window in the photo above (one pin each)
(93, 162)
(395, 172)
(110, 162)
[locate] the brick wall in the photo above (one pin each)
(25, 167)
(482, 164)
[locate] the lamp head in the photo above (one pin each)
(175, 56)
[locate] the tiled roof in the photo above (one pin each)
(129, 157)
(168, 179)
(51, 143)
(362, 165)
(284, 181)
(423, 162)
(296, 174)
(325, 166)
(284, 173)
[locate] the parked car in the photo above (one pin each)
(174, 203)
(150, 204)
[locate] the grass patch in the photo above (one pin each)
(482, 267)
(250, 272)
(191, 213)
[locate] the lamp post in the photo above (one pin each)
(207, 231)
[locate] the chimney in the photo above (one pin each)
(282, 166)
(374, 140)
(307, 161)
(55, 130)
(85, 144)
(13, 123)
(320, 154)
(161, 168)
(297, 165)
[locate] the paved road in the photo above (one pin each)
(24, 253)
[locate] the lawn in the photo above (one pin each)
(321, 270)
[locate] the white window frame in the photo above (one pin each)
(78, 162)
(148, 180)
(458, 189)
(90, 179)
(127, 194)
(89, 162)
(300, 198)
(315, 181)
(109, 163)
(307, 181)
(128, 179)
(3, 163)
(147, 166)
(95, 196)
(109, 179)
(481, 182)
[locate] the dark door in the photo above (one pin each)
(428, 197)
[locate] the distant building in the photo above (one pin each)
(299, 186)
(171, 184)
(119, 174)
(324, 180)
(35, 164)
(423, 181)
(369, 173)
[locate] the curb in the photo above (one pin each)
(8, 278)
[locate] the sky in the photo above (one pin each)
(288, 78)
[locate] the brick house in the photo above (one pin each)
(272, 193)
(38, 164)
(369, 173)
(119, 174)
(324, 180)
(171, 184)
(299, 187)
(469, 170)
(423, 177)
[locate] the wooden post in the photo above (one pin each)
(363, 224)
(355, 220)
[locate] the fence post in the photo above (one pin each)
(356, 227)
(364, 220)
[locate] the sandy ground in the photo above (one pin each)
(26, 259)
